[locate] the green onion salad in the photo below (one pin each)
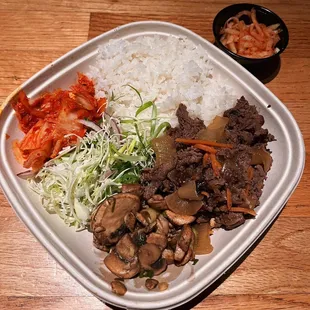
(112, 153)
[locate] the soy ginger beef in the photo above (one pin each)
(244, 166)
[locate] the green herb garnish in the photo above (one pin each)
(195, 261)
(146, 274)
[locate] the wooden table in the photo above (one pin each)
(276, 274)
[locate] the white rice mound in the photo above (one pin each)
(170, 70)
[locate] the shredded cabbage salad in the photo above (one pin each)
(112, 153)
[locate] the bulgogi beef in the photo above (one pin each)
(188, 127)
(244, 165)
(157, 176)
(245, 125)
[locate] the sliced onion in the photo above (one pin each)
(215, 131)
(188, 191)
(64, 151)
(26, 174)
(89, 124)
(164, 149)
(203, 243)
(113, 123)
(182, 206)
(261, 157)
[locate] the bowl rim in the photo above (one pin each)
(243, 58)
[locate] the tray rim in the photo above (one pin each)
(53, 248)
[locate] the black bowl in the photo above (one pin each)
(264, 16)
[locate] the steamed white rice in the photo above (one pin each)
(170, 70)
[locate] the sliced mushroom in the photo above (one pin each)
(179, 254)
(130, 221)
(118, 288)
(159, 266)
(141, 219)
(122, 268)
(168, 255)
(96, 216)
(173, 239)
(99, 229)
(162, 225)
(182, 206)
(149, 253)
(183, 243)
(171, 225)
(185, 237)
(110, 218)
(188, 191)
(158, 239)
(139, 237)
(135, 189)
(157, 202)
(150, 215)
(149, 228)
(178, 219)
(151, 284)
(117, 234)
(99, 246)
(190, 254)
(126, 248)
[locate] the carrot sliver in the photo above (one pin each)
(216, 166)
(250, 173)
(243, 210)
(204, 142)
(205, 160)
(205, 194)
(206, 148)
(229, 199)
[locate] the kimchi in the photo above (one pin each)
(53, 121)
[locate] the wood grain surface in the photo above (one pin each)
(273, 275)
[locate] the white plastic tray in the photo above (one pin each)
(74, 251)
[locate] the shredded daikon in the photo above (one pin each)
(255, 40)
